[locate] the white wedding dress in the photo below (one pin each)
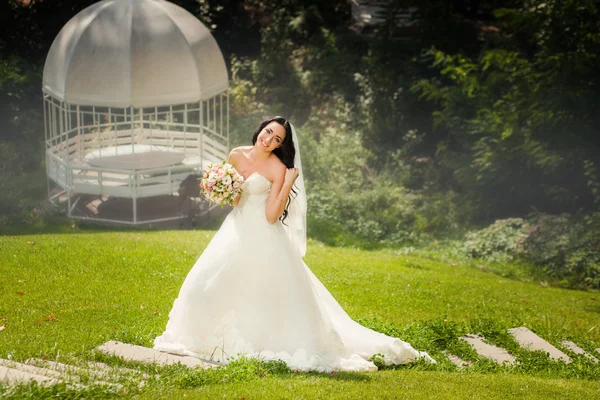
(250, 293)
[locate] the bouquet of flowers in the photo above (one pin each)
(221, 183)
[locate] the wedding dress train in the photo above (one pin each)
(250, 293)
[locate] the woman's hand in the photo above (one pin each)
(290, 175)
(236, 200)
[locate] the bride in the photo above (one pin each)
(250, 293)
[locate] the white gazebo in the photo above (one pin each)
(135, 100)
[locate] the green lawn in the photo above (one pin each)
(63, 294)
(396, 385)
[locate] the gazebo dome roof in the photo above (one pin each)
(140, 53)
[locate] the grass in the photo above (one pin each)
(389, 385)
(64, 293)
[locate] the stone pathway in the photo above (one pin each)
(13, 376)
(578, 350)
(484, 349)
(99, 372)
(529, 340)
(46, 372)
(526, 339)
(16, 369)
(132, 352)
(459, 362)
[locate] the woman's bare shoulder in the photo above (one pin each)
(241, 149)
(276, 162)
(277, 166)
(238, 151)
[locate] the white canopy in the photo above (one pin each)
(140, 53)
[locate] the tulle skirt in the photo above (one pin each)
(251, 294)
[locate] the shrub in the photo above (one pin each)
(501, 241)
(246, 111)
(564, 247)
(352, 204)
(22, 182)
(568, 247)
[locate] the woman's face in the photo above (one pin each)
(271, 137)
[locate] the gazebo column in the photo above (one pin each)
(134, 184)
(132, 137)
(201, 123)
(135, 210)
(69, 202)
(46, 145)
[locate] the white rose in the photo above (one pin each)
(212, 178)
(226, 180)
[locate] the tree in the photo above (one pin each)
(520, 117)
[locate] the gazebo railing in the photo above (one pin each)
(203, 147)
(75, 134)
(189, 143)
(119, 182)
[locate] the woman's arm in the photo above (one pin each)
(280, 190)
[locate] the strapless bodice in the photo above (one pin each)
(255, 189)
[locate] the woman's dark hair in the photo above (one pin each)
(286, 152)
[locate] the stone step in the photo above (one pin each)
(13, 376)
(498, 354)
(101, 374)
(31, 369)
(91, 368)
(57, 372)
(122, 370)
(530, 341)
(132, 352)
(459, 362)
(578, 350)
(58, 368)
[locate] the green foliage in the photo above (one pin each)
(350, 203)
(564, 247)
(20, 114)
(21, 194)
(500, 121)
(590, 171)
(567, 248)
(21, 146)
(245, 109)
(518, 116)
(501, 241)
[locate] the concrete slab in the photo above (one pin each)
(54, 366)
(31, 369)
(14, 376)
(459, 362)
(122, 370)
(578, 350)
(132, 352)
(498, 354)
(529, 340)
(99, 375)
